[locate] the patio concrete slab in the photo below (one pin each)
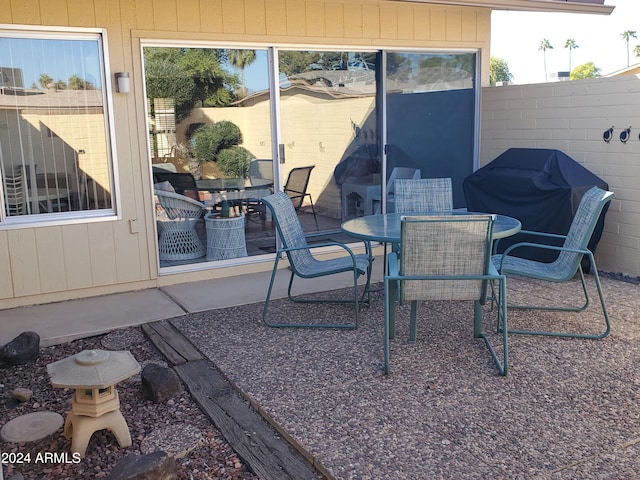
(66, 321)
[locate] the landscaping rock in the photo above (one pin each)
(25, 348)
(22, 394)
(160, 383)
(154, 466)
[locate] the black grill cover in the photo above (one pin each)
(540, 187)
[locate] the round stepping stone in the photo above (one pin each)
(31, 427)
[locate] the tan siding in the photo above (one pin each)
(6, 282)
(315, 19)
(51, 267)
(255, 17)
(388, 22)
(469, 26)
(102, 247)
(54, 13)
(370, 21)
(422, 24)
(25, 269)
(81, 13)
(438, 24)
(276, 18)
(165, 14)
(353, 21)
(144, 14)
(26, 12)
(76, 250)
(334, 20)
(405, 23)
(233, 17)
(454, 26)
(188, 13)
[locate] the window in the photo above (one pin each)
(55, 157)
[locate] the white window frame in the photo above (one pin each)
(82, 216)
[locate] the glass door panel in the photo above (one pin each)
(210, 140)
(329, 131)
(430, 101)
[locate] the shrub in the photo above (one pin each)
(212, 138)
(234, 161)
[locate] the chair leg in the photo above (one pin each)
(389, 306)
(357, 302)
(573, 309)
(501, 301)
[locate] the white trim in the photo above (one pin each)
(575, 6)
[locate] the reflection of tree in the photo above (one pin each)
(166, 80)
(241, 59)
(45, 80)
(212, 85)
(77, 83)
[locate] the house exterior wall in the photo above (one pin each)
(52, 263)
(571, 117)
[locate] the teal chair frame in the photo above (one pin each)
(431, 266)
(304, 265)
(568, 263)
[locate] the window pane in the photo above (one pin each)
(54, 155)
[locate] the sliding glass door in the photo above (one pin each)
(331, 128)
(431, 117)
(329, 134)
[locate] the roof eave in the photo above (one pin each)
(529, 5)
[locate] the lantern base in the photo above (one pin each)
(79, 429)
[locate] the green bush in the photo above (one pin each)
(212, 138)
(234, 161)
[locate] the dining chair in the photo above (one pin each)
(397, 173)
(304, 264)
(15, 193)
(423, 195)
(182, 183)
(566, 265)
(296, 188)
(177, 220)
(445, 258)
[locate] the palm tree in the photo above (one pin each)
(570, 44)
(636, 51)
(544, 46)
(45, 80)
(628, 35)
(241, 59)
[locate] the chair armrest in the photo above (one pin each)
(534, 233)
(393, 264)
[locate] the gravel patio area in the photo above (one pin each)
(567, 409)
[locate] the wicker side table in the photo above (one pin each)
(225, 237)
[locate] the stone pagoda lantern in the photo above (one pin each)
(95, 405)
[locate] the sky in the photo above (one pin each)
(516, 37)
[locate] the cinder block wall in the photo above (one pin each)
(572, 116)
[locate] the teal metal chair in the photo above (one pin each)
(423, 195)
(568, 263)
(445, 257)
(304, 265)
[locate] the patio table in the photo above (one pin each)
(385, 228)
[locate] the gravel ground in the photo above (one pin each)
(212, 457)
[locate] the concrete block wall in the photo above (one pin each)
(572, 117)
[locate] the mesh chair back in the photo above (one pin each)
(297, 183)
(15, 193)
(260, 169)
(581, 229)
(289, 229)
(454, 246)
(424, 195)
(178, 206)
